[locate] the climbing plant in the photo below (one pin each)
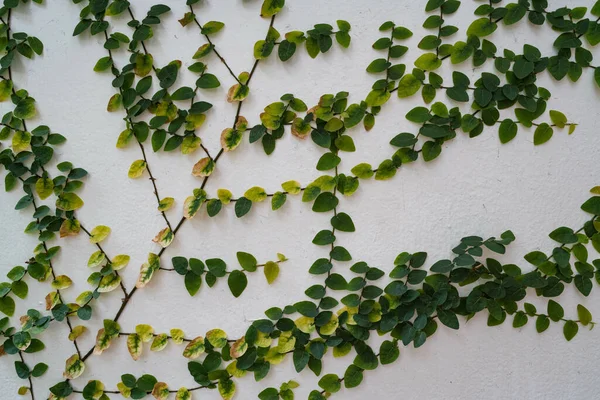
(406, 307)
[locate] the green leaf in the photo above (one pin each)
(7, 305)
(271, 271)
(542, 323)
(343, 222)
(366, 359)
(330, 383)
(286, 50)
(183, 93)
(39, 370)
(585, 316)
(22, 370)
(325, 202)
(237, 282)
(419, 115)
(570, 330)
(592, 205)
(271, 7)
(542, 134)
(69, 202)
(428, 62)
(208, 81)
(388, 352)
(353, 376)
(448, 318)
(507, 131)
(247, 261)
(212, 27)
(192, 282)
(242, 206)
(408, 86)
(555, 311)
(482, 27)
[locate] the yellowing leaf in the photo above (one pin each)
(96, 259)
(177, 335)
(271, 271)
(76, 332)
(191, 205)
(271, 122)
(305, 324)
(69, 202)
(234, 371)
(124, 390)
(190, 144)
(147, 270)
(83, 298)
(74, 367)
(286, 342)
(6, 87)
(292, 187)
(143, 64)
(202, 50)
(238, 348)
(164, 238)
(193, 122)
(165, 204)
(203, 168)
(226, 389)
(145, 332)
(51, 300)
(255, 194)
(61, 282)
(99, 233)
(217, 338)
(330, 327)
(136, 169)
(194, 348)
(95, 389)
(21, 141)
(44, 187)
(237, 93)
(183, 394)
(263, 340)
(134, 345)
(69, 227)
(114, 103)
(274, 357)
(160, 342)
(120, 261)
(230, 139)
(271, 7)
(224, 195)
(109, 282)
(160, 391)
(124, 138)
(342, 350)
(105, 336)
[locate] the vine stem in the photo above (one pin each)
(183, 219)
(60, 297)
(130, 122)
(123, 289)
(213, 47)
(28, 377)
(332, 244)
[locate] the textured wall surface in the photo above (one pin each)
(476, 187)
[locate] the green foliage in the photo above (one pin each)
(406, 307)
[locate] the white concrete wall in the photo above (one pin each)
(476, 187)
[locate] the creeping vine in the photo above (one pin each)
(405, 308)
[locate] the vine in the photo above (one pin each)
(406, 308)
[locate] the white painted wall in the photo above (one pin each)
(476, 187)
